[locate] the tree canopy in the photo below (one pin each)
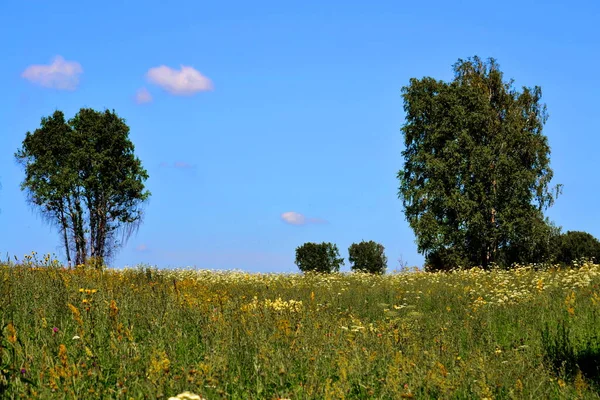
(318, 257)
(85, 179)
(476, 176)
(573, 246)
(367, 257)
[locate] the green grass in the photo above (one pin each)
(145, 333)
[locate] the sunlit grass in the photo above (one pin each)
(147, 333)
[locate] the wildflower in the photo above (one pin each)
(76, 314)
(186, 396)
(62, 354)
(54, 330)
(113, 309)
(12, 333)
(76, 337)
(519, 385)
(23, 371)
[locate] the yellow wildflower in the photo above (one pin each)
(12, 333)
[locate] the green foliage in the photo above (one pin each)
(536, 244)
(367, 257)
(318, 257)
(574, 246)
(445, 259)
(476, 172)
(83, 176)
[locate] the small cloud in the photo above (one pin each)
(294, 218)
(142, 248)
(60, 74)
(143, 96)
(185, 81)
(182, 165)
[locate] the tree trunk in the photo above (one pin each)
(78, 231)
(64, 226)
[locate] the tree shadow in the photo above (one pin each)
(567, 358)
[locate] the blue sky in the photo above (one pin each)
(282, 106)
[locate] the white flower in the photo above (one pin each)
(76, 337)
(186, 396)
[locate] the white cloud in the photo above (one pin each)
(185, 81)
(143, 96)
(294, 218)
(182, 164)
(60, 74)
(141, 248)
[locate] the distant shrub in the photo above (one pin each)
(576, 245)
(367, 257)
(318, 257)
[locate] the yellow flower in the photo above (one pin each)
(519, 385)
(12, 333)
(62, 354)
(113, 309)
(76, 314)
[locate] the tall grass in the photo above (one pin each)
(147, 333)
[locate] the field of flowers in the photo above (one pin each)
(147, 333)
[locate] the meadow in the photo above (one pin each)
(147, 333)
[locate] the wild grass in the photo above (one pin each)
(147, 333)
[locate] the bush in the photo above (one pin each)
(575, 245)
(367, 257)
(318, 257)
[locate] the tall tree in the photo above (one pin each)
(476, 174)
(85, 178)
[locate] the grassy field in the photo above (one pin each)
(147, 333)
